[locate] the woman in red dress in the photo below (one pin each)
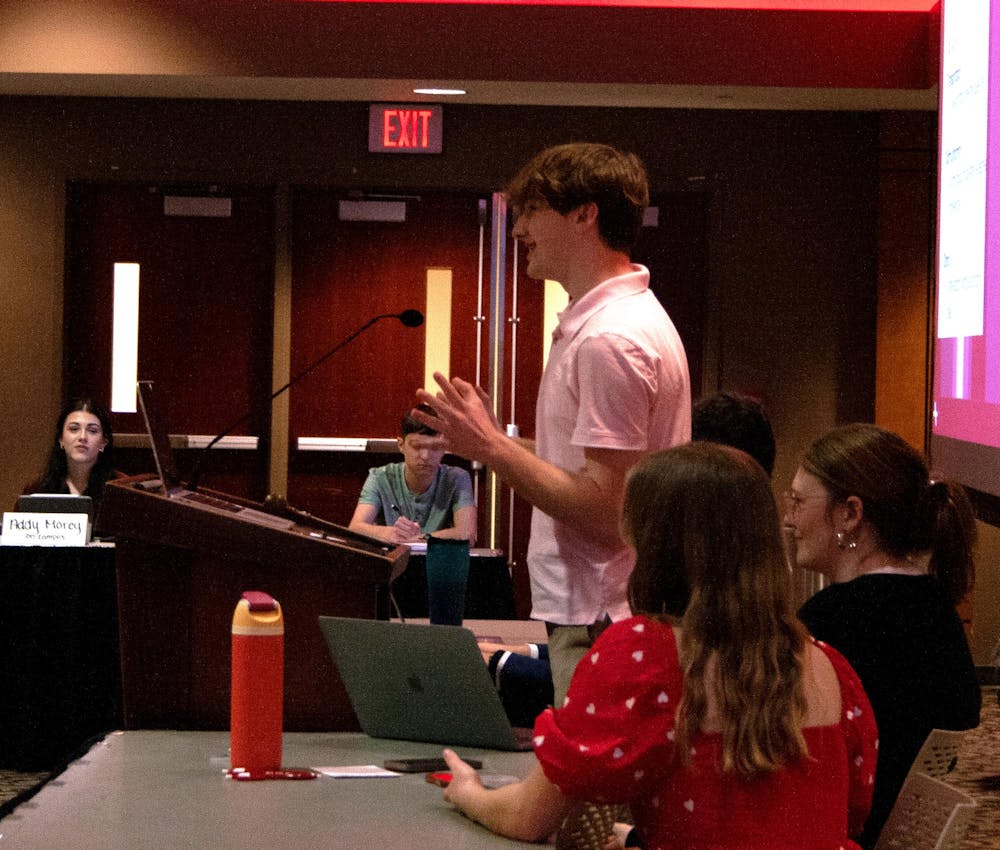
(711, 713)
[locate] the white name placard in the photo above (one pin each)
(37, 529)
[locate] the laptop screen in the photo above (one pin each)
(163, 454)
(56, 503)
(419, 683)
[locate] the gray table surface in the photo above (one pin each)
(167, 789)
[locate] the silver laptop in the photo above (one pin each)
(169, 481)
(420, 683)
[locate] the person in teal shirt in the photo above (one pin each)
(404, 502)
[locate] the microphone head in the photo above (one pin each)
(411, 318)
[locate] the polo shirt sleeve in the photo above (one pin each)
(616, 384)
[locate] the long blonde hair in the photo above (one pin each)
(709, 556)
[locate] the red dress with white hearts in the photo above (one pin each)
(612, 742)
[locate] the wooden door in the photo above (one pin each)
(345, 272)
(205, 314)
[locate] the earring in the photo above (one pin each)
(842, 544)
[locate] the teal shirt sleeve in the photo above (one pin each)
(464, 497)
(378, 491)
(452, 492)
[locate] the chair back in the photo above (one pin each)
(938, 755)
(588, 826)
(928, 815)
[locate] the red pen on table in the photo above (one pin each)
(241, 775)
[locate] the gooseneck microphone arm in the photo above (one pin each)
(410, 318)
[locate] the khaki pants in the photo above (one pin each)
(567, 645)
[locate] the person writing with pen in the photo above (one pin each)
(403, 502)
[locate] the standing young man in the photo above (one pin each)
(615, 387)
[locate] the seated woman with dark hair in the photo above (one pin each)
(81, 459)
(897, 546)
(711, 713)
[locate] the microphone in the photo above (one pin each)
(410, 318)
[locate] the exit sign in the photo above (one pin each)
(404, 128)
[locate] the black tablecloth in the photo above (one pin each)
(59, 653)
(489, 594)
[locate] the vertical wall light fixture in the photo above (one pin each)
(556, 299)
(437, 345)
(125, 338)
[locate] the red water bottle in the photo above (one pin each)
(257, 682)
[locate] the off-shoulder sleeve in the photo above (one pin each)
(614, 733)
(857, 721)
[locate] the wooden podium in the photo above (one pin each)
(182, 567)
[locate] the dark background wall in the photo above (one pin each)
(792, 221)
(798, 213)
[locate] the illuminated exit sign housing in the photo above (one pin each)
(404, 128)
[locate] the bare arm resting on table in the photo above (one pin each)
(464, 527)
(587, 499)
(529, 810)
(405, 530)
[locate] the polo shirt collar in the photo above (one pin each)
(576, 313)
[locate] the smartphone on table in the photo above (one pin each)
(442, 778)
(424, 765)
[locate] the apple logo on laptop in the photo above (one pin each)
(413, 680)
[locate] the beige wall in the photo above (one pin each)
(986, 597)
(31, 273)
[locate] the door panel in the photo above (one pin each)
(344, 273)
(206, 302)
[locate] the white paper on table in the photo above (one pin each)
(356, 771)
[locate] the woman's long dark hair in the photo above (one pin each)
(54, 478)
(709, 555)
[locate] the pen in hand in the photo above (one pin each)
(406, 526)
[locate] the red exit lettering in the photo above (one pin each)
(405, 128)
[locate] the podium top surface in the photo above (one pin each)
(137, 509)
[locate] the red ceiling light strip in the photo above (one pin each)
(920, 6)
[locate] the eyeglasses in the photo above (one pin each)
(793, 501)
